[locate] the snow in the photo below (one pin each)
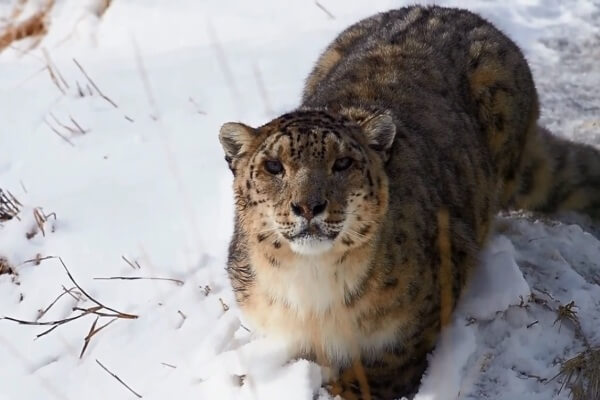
(147, 181)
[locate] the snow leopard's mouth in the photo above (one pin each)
(313, 231)
(311, 240)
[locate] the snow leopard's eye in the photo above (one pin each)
(274, 167)
(342, 164)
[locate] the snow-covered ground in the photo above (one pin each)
(146, 182)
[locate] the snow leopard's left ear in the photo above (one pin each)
(378, 126)
(380, 129)
(235, 138)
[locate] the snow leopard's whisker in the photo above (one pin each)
(269, 231)
(356, 234)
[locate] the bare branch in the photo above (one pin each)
(135, 278)
(139, 396)
(125, 315)
(45, 310)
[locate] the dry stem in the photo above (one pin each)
(326, 11)
(139, 396)
(135, 278)
(105, 97)
(9, 206)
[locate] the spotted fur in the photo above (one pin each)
(437, 110)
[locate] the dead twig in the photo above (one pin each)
(30, 27)
(45, 310)
(105, 97)
(139, 396)
(63, 137)
(53, 324)
(533, 323)
(326, 11)
(9, 206)
(55, 75)
(81, 130)
(37, 260)
(5, 267)
(77, 130)
(103, 314)
(123, 315)
(135, 278)
(92, 332)
(225, 306)
(567, 313)
(581, 375)
(132, 265)
(74, 294)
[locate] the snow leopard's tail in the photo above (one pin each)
(558, 175)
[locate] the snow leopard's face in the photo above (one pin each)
(308, 179)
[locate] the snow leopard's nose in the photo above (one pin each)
(309, 210)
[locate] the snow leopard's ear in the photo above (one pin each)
(235, 138)
(378, 126)
(380, 129)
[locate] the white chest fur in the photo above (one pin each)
(302, 304)
(308, 285)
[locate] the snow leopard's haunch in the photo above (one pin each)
(558, 175)
(336, 248)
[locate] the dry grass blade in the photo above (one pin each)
(37, 260)
(55, 75)
(40, 220)
(63, 137)
(76, 130)
(581, 375)
(132, 265)
(105, 97)
(54, 324)
(5, 268)
(136, 278)
(105, 314)
(81, 130)
(123, 315)
(326, 11)
(9, 206)
(30, 27)
(45, 310)
(86, 340)
(567, 313)
(224, 305)
(139, 396)
(92, 332)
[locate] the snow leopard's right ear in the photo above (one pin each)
(235, 138)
